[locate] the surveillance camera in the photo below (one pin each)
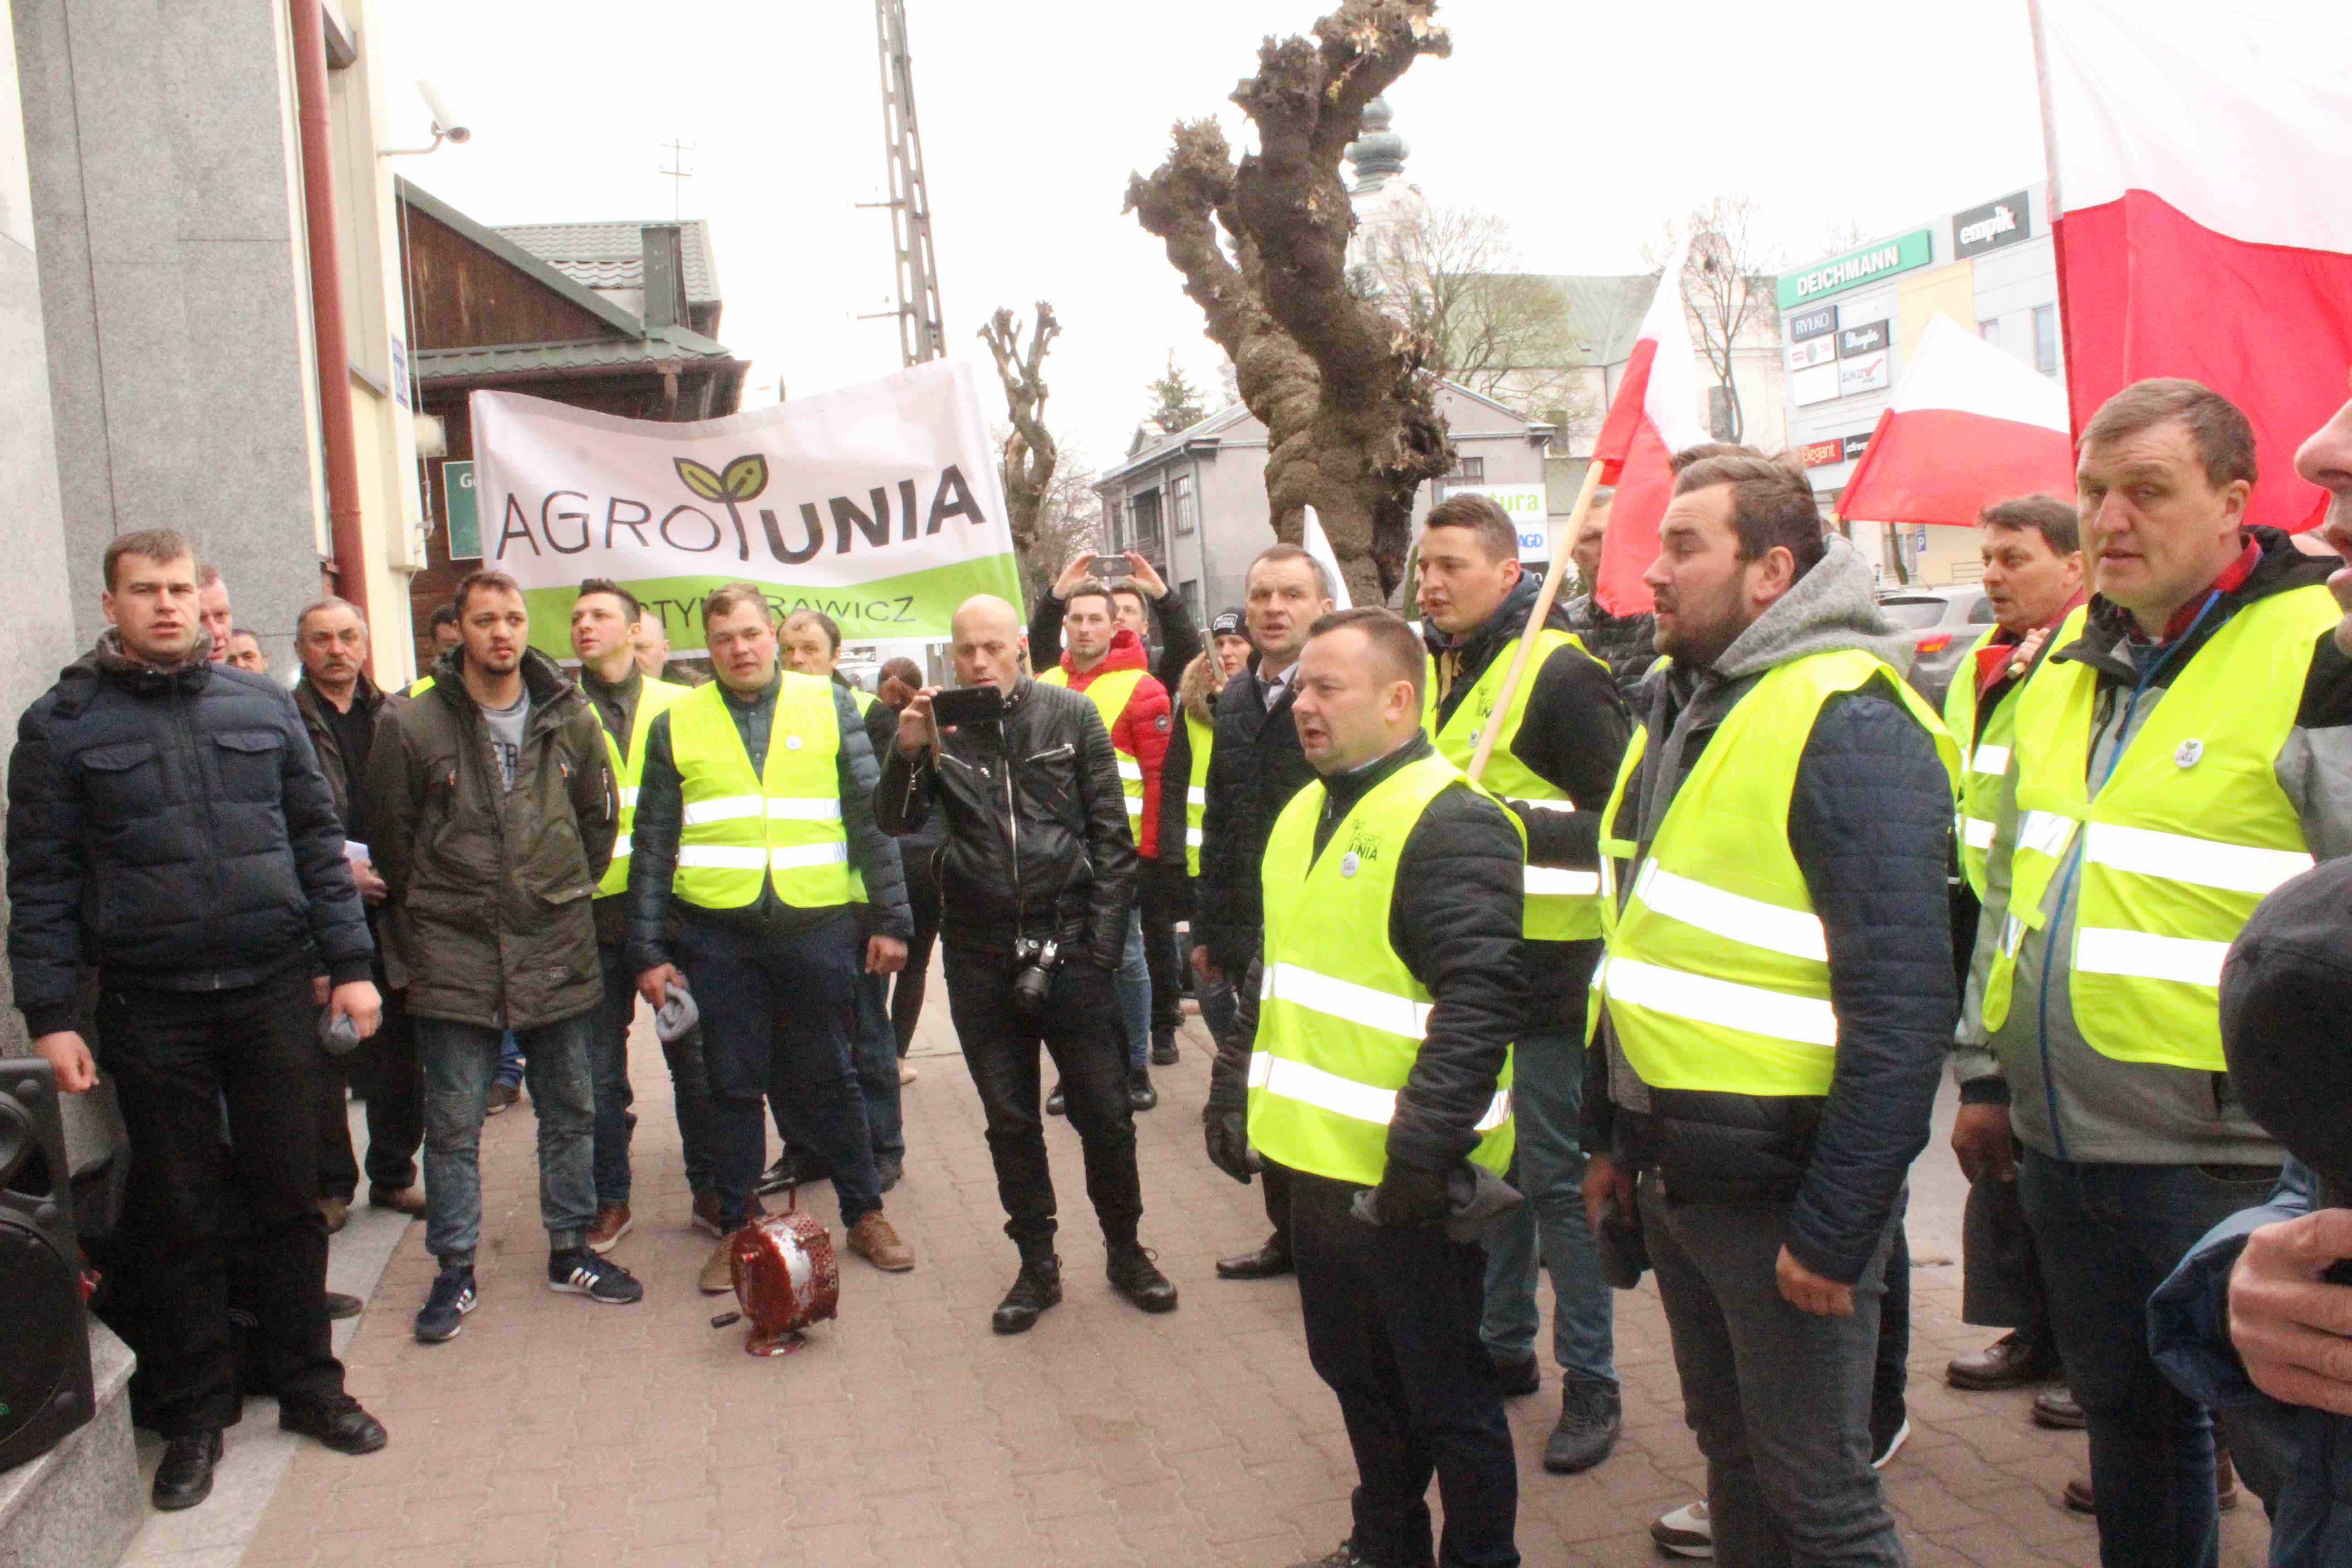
(444, 124)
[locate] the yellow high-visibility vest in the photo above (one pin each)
(1110, 693)
(1341, 1018)
(2178, 844)
(1203, 738)
(783, 825)
(1562, 905)
(653, 698)
(1718, 974)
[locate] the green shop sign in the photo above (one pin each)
(1867, 265)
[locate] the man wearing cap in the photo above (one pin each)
(2180, 753)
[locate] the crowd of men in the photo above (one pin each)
(1529, 935)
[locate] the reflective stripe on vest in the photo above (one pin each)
(1984, 760)
(654, 697)
(738, 830)
(1718, 972)
(1109, 692)
(1562, 905)
(1203, 738)
(423, 684)
(1341, 1017)
(2190, 830)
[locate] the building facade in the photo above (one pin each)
(1850, 321)
(1195, 500)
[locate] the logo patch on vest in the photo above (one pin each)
(791, 742)
(2191, 752)
(1363, 845)
(1163, 723)
(1350, 864)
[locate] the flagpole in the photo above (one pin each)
(1545, 598)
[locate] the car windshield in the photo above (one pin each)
(1913, 615)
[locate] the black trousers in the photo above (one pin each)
(1163, 901)
(175, 1057)
(1392, 1326)
(389, 1080)
(906, 989)
(1080, 1027)
(1274, 1181)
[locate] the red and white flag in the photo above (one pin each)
(1968, 426)
(2201, 161)
(1654, 416)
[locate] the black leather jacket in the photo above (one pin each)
(1033, 840)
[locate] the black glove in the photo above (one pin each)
(1226, 1132)
(1409, 1195)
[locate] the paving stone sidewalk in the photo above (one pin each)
(556, 1431)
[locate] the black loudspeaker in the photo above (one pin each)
(45, 1391)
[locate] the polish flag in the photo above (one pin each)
(1968, 425)
(1654, 416)
(2200, 162)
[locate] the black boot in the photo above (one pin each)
(1134, 1275)
(1038, 1286)
(185, 1479)
(1164, 1048)
(1140, 1095)
(1057, 1103)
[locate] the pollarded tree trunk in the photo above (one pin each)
(1351, 416)
(1030, 455)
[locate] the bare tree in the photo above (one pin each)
(1728, 289)
(1349, 409)
(1030, 453)
(1451, 275)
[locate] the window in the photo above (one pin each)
(1114, 513)
(1180, 502)
(1191, 589)
(1913, 615)
(1471, 471)
(1143, 513)
(2046, 338)
(1989, 332)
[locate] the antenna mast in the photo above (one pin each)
(920, 335)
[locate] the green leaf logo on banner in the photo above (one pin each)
(745, 477)
(700, 480)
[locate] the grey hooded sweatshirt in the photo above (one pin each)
(1869, 823)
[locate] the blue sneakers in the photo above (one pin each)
(576, 1271)
(446, 1308)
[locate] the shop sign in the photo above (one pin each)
(1991, 225)
(1812, 351)
(1856, 268)
(1817, 322)
(1868, 337)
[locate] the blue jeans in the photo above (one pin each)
(1546, 1090)
(1135, 995)
(778, 1010)
(608, 1065)
(2107, 1235)
(510, 1071)
(459, 1061)
(876, 1046)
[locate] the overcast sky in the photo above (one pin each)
(1584, 126)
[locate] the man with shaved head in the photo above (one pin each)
(1035, 872)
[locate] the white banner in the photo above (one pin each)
(879, 504)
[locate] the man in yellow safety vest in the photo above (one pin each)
(2033, 555)
(755, 826)
(1108, 663)
(1563, 733)
(2180, 751)
(605, 616)
(1394, 982)
(1777, 1000)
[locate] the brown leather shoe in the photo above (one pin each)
(717, 1275)
(336, 1212)
(873, 1239)
(2079, 1496)
(2011, 1361)
(613, 1222)
(2055, 1408)
(705, 1217)
(408, 1200)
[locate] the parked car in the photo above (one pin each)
(1943, 624)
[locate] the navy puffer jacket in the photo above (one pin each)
(171, 828)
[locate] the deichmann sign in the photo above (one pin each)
(1867, 339)
(877, 504)
(1524, 504)
(1900, 254)
(1991, 225)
